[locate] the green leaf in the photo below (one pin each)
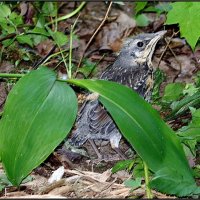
(192, 131)
(153, 140)
(49, 9)
(7, 26)
(142, 20)
(16, 19)
(172, 92)
(87, 68)
(139, 6)
(59, 37)
(40, 22)
(38, 38)
(190, 89)
(40, 34)
(182, 106)
(4, 10)
(187, 15)
(121, 165)
(170, 181)
(8, 42)
(24, 39)
(38, 114)
(190, 148)
(133, 184)
(138, 170)
(196, 171)
(159, 77)
(39, 31)
(197, 79)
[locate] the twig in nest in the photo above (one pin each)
(94, 34)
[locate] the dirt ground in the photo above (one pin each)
(86, 177)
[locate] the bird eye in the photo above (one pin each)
(140, 44)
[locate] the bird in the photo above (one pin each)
(132, 68)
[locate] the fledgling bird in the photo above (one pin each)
(133, 68)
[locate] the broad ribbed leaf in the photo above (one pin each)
(142, 126)
(187, 15)
(38, 114)
(172, 182)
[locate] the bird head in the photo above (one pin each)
(139, 50)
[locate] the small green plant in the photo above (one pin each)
(138, 169)
(189, 26)
(15, 30)
(179, 98)
(184, 100)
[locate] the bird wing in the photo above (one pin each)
(99, 120)
(93, 122)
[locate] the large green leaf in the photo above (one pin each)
(173, 91)
(4, 11)
(140, 6)
(187, 15)
(38, 114)
(153, 140)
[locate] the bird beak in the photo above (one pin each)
(149, 50)
(160, 33)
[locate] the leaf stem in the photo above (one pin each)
(71, 47)
(70, 52)
(5, 75)
(69, 15)
(146, 176)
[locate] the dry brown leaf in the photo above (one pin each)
(110, 37)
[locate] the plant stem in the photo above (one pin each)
(71, 47)
(70, 53)
(69, 15)
(146, 174)
(53, 55)
(5, 75)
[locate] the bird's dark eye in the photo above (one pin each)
(140, 44)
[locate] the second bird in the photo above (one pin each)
(133, 68)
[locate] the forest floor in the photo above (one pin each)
(86, 177)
